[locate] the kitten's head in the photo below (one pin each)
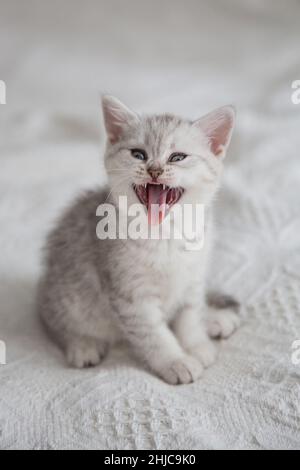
(164, 159)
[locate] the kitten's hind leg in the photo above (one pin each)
(85, 351)
(222, 318)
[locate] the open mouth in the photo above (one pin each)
(158, 199)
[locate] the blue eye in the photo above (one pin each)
(177, 157)
(139, 154)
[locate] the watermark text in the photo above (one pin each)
(2, 353)
(295, 97)
(2, 92)
(296, 353)
(184, 222)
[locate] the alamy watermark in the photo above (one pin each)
(2, 353)
(184, 222)
(2, 92)
(295, 358)
(295, 97)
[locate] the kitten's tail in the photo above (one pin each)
(220, 300)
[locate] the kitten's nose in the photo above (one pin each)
(155, 171)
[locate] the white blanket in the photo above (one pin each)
(182, 56)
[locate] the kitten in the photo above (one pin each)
(149, 292)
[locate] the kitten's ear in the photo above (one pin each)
(218, 127)
(117, 117)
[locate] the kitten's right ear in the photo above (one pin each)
(117, 117)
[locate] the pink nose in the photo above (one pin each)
(155, 171)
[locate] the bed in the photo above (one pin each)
(184, 57)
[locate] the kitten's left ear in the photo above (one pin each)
(218, 127)
(117, 117)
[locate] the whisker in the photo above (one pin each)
(117, 169)
(121, 180)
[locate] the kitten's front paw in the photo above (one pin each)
(205, 352)
(222, 323)
(182, 371)
(85, 352)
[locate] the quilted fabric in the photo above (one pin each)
(186, 57)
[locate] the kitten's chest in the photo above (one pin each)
(178, 272)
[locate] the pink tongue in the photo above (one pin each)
(157, 197)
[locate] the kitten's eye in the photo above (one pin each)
(177, 157)
(139, 154)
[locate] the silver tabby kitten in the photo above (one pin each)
(149, 292)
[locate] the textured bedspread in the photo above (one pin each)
(187, 57)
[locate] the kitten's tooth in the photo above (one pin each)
(164, 186)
